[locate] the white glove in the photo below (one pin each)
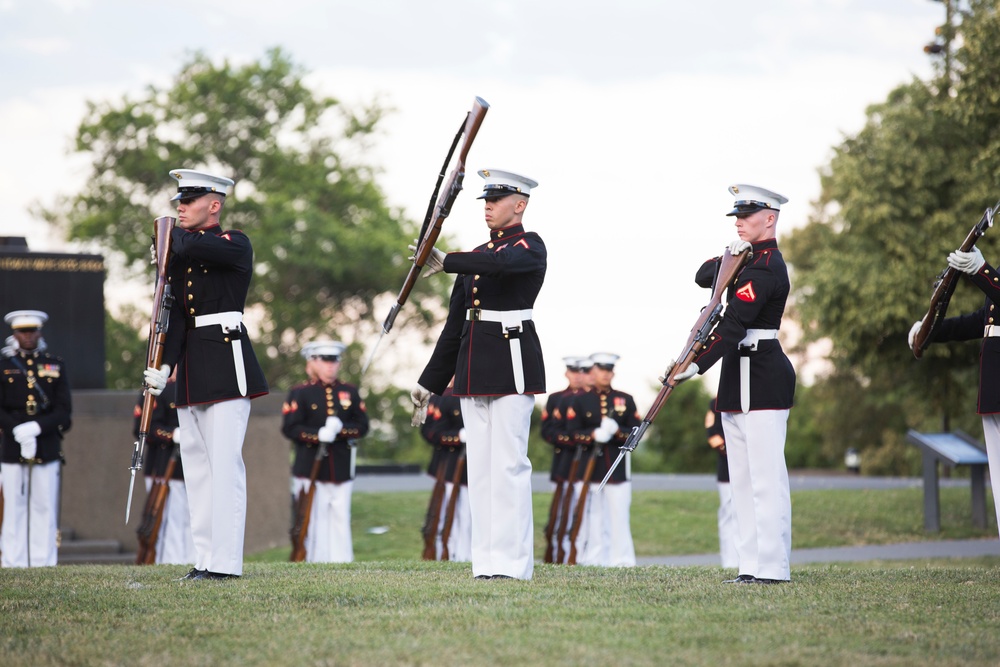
(152, 253)
(156, 380)
(610, 425)
(419, 396)
(176, 435)
(29, 448)
(435, 260)
(688, 372)
(601, 436)
(967, 262)
(913, 332)
(738, 246)
(461, 435)
(26, 431)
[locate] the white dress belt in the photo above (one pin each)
(991, 331)
(512, 323)
(747, 345)
(230, 321)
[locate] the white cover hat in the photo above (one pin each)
(605, 359)
(752, 198)
(500, 183)
(23, 319)
(323, 348)
(192, 184)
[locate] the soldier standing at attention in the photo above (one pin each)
(490, 346)
(325, 410)
(35, 411)
(609, 522)
(756, 389)
(209, 272)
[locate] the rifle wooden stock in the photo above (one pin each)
(303, 509)
(162, 301)
(433, 516)
(567, 502)
(437, 213)
(550, 527)
(944, 287)
(449, 512)
(581, 505)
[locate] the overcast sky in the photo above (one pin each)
(634, 116)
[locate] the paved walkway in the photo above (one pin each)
(799, 481)
(910, 550)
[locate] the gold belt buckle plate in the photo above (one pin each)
(31, 407)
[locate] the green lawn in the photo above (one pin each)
(390, 608)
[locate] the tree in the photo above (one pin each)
(896, 198)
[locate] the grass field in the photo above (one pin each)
(390, 608)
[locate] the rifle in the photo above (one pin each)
(944, 287)
(729, 269)
(449, 512)
(581, 503)
(566, 502)
(433, 515)
(162, 300)
(437, 210)
(550, 527)
(152, 516)
(303, 509)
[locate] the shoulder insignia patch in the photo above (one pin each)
(746, 293)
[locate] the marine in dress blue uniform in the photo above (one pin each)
(490, 346)
(331, 411)
(209, 272)
(603, 419)
(984, 324)
(444, 430)
(756, 389)
(35, 411)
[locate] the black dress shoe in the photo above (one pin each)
(483, 576)
(742, 579)
(218, 575)
(195, 573)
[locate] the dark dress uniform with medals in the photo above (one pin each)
(35, 411)
(309, 408)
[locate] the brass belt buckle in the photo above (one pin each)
(31, 407)
(475, 314)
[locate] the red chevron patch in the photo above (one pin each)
(746, 293)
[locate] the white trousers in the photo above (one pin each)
(991, 432)
(500, 484)
(460, 538)
(216, 478)
(328, 536)
(728, 531)
(176, 544)
(758, 478)
(31, 498)
(608, 539)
